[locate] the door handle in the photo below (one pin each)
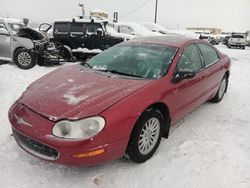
(204, 77)
(14, 39)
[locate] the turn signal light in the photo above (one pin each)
(89, 154)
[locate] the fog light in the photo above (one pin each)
(89, 154)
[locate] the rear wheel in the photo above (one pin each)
(24, 59)
(222, 89)
(146, 136)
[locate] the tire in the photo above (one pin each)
(24, 59)
(221, 91)
(65, 53)
(229, 46)
(146, 136)
(243, 47)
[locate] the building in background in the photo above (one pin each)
(206, 30)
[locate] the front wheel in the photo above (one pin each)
(222, 89)
(24, 59)
(146, 136)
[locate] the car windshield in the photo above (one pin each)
(16, 26)
(136, 60)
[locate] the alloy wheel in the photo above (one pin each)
(24, 58)
(149, 136)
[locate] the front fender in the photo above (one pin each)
(20, 42)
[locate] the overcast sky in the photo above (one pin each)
(229, 15)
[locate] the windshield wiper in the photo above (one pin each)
(86, 64)
(120, 73)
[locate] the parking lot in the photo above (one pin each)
(209, 148)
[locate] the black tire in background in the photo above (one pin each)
(150, 120)
(24, 58)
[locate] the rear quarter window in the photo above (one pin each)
(210, 55)
(238, 36)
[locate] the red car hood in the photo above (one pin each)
(73, 92)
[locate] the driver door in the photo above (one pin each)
(5, 50)
(187, 92)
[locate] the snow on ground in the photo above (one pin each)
(209, 149)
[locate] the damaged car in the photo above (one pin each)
(27, 47)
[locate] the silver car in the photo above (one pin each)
(14, 48)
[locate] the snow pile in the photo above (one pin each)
(86, 50)
(208, 149)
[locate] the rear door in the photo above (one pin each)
(5, 50)
(61, 33)
(77, 33)
(188, 92)
(213, 67)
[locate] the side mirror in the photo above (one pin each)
(4, 31)
(184, 74)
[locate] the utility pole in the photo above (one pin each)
(156, 9)
(83, 11)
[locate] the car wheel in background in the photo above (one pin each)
(221, 91)
(146, 136)
(24, 59)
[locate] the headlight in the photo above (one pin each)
(82, 129)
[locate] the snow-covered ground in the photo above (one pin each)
(209, 149)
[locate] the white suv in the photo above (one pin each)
(237, 40)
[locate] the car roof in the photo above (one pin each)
(81, 20)
(175, 41)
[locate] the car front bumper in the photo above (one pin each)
(33, 134)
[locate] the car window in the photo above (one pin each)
(209, 54)
(190, 60)
(61, 27)
(238, 36)
(2, 26)
(92, 28)
(125, 29)
(77, 27)
(16, 26)
(3, 29)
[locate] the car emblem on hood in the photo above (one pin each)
(20, 121)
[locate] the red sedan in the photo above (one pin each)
(119, 103)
